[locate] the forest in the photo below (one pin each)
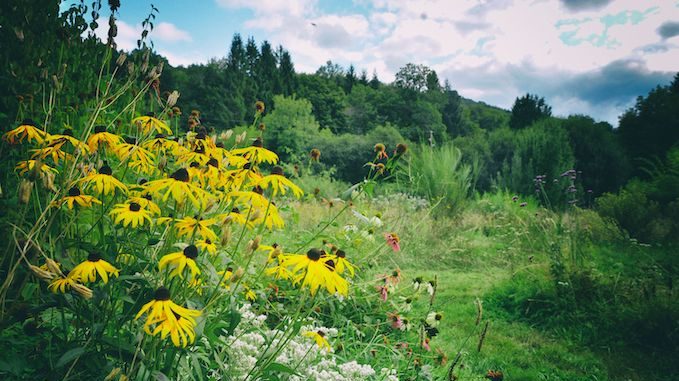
(242, 220)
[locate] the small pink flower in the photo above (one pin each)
(425, 344)
(393, 241)
(396, 321)
(384, 292)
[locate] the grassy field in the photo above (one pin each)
(498, 252)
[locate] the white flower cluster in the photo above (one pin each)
(252, 340)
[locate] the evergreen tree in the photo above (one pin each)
(374, 81)
(527, 110)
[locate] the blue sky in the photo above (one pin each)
(584, 56)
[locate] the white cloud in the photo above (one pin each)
(165, 31)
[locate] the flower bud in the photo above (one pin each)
(25, 189)
(82, 290)
(43, 274)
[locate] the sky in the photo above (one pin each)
(589, 57)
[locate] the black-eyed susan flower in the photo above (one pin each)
(237, 217)
(181, 260)
(188, 226)
(75, 197)
(381, 151)
(102, 138)
(61, 284)
(130, 214)
(342, 264)
(257, 153)
(311, 270)
(138, 157)
(59, 140)
(87, 271)
(207, 245)
(178, 186)
(146, 202)
(225, 277)
(27, 130)
(103, 181)
(30, 166)
(160, 143)
(279, 183)
(249, 293)
(149, 123)
(319, 338)
(168, 318)
(54, 152)
(259, 107)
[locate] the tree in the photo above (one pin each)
(330, 70)
(527, 110)
(374, 81)
(349, 79)
(290, 126)
(286, 73)
(413, 77)
(363, 79)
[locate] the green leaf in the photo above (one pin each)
(69, 356)
(280, 368)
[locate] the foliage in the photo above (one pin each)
(527, 110)
(439, 175)
(290, 126)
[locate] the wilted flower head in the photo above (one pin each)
(315, 154)
(393, 241)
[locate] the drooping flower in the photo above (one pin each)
(257, 153)
(319, 338)
(178, 186)
(310, 269)
(149, 123)
(433, 319)
(130, 214)
(207, 245)
(103, 181)
(87, 271)
(279, 183)
(393, 241)
(102, 138)
(75, 197)
(188, 226)
(169, 318)
(181, 260)
(30, 166)
(27, 130)
(381, 151)
(342, 264)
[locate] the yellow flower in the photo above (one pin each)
(76, 198)
(319, 338)
(54, 152)
(130, 214)
(188, 225)
(207, 245)
(249, 293)
(102, 137)
(149, 123)
(257, 153)
(341, 263)
(180, 260)
(179, 187)
(29, 165)
(236, 216)
(311, 269)
(146, 202)
(61, 285)
(225, 276)
(139, 158)
(198, 155)
(87, 271)
(169, 318)
(104, 182)
(279, 182)
(66, 137)
(27, 130)
(160, 143)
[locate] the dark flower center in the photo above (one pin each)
(199, 149)
(320, 333)
(67, 132)
(200, 136)
(229, 269)
(235, 210)
(28, 122)
(148, 197)
(314, 254)
(438, 317)
(130, 140)
(341, 254)
(258, 143)
(134, 207)
(258, 190)
(401, 148)
(162, 293)
(160, 136)
(150, 114)
(99, 129)
(105, 169)
(213, 162)
(181, 175)
(277, 170)
(74, 191)
(191, 252)
(194, 164)
(207, 240)
(330, 264)
(143, 181)
(94, 256)
(219, 145)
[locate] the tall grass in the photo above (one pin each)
(439, 174)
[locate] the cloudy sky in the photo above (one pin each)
(584, 56)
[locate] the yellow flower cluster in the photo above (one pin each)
(191, 187)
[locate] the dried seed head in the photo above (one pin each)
(82, 290)
(42, 274)
(25, 189)
(172, 99)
